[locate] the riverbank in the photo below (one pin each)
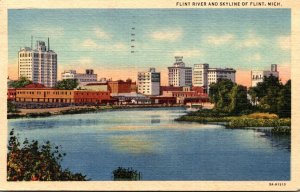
(255, 120)
(46, 112)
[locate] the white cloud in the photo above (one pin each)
(101, 34)
(119, 47)
(284, 43)
(86, 61)
(252, 40)
(90, 44)
(167, 35)
(256, 57)
(220, 40)
(188, 53)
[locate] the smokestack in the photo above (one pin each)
(48, 44)
(31, 41)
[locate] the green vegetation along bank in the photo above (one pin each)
(279, 125)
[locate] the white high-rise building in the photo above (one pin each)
(38, 65)
(258, 75)
(203, 76)
(148, 83)
(179, 75)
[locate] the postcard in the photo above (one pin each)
(140, 95)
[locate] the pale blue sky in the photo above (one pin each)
(101, 38)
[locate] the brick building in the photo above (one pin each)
(121, 86)
(35, 93)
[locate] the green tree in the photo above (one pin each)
(67, 84)
(228, 96)
(219, 93)
(21, 82)
(33, 162)
(239, 101)
(272, 96)
(284, 100)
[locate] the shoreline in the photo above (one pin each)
(47, 112)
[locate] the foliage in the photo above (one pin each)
(262, 116)
(11, 108)
(33, 162)
(208, 113)
(284, 101)
(21, 82)
(42, 114)
(67, 84)
(272, 96)
(78, 110)
(251, 120)
(229, 97)
(123, 174)
(200, 119)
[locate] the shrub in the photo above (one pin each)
(33, 162)
(122, 174)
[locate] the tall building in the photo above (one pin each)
(203, 76)
(258, 75)
(86, 77)
(179, 75)
(38, 65)
(149, 82)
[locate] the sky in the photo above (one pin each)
(101, 39)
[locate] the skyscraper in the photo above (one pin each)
(149, 82)
(179, 74)
(38, 65)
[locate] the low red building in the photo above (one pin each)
(37, 93)
(187, 94)
(121, 86)
(169, 88)
(11, 94)
(96, 97)
(163, 100)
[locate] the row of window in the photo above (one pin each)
(60, 93)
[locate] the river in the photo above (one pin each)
(150, 141)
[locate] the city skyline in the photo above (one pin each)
(104, 40)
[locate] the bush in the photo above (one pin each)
(122, 174)
(43, 114)
(12, 108)
(78, 110)
(249, 122)
(33, 162)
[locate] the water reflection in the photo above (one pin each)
(280, 142)
(133, 144)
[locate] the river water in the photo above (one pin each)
(150, 141)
